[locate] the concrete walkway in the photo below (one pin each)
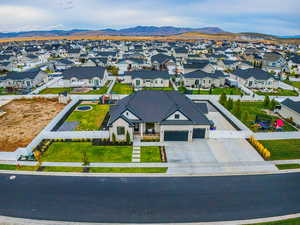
(277, 135)
(111, 85)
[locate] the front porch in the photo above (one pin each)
(146, 130)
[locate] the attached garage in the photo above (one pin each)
(176, 135)
(199, 132)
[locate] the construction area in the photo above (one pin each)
(22, 120)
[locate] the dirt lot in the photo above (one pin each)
(24, 119)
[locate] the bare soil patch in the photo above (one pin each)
(24, 119)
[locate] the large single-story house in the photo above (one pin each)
(94, 76)
(290, 109)
(28, 79)
(202, 79)
(254, 78)
(162, 62)
(148, 78)
(169, 115)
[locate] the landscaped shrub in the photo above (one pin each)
(113, 138)
(128, 139)
(265, 153)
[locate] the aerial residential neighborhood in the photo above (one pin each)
(127, 112)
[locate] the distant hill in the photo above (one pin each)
(133, 31)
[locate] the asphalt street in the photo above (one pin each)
(149, 199)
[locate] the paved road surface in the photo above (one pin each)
(149, 199)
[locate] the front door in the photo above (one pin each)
(150, 128)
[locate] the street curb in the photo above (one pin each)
(5, 220)
(74, 174)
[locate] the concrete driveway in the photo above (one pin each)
(215, 156)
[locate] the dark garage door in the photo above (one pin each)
(199, 133)
(176, 135)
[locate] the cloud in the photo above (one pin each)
(267, 16)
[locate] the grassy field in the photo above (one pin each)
(14, 167)
(159, 89)
(72, 152)
(2, 92)
(256, 109)
(293, 83)
(122, 89)
(55, 90)
(128, 169)
(150, 154)
(91, 170)
(288, 166)
(89, 120)
(280, 92)
(283, 149)
(218, 91)
(295, 221)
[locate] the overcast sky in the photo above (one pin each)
(279, 17)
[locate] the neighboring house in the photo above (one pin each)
(254, 78)
(164, 62)
(290, 109)
(130, 64)
(84, 77)
(202, 79)
(148, 78)
(28, 79)
(181, 52)
(273, 62)
(294, 64)
(193, 65)
(169, 115)
(63, 64)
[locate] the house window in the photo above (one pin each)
(120, 130)
(137, 82)
(177, 116)
(161, 81)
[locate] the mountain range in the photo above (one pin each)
(133, 31)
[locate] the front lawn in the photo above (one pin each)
(122, 89)
(159, 88)
(73, 152)
(288, 166)
(99, 91)
(256, 109)
(218, 91)
(89, 120)
(150, 154)
(20, 168)
(279, 92)
(283, 149)
(293, 83)
(128, 169)
(55, 90)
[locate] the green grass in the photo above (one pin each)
(55, 90)
(14, 167)
(62, 169)
(295, 221)
(256, 108)
(72, 152)
(150, 154)
(128, 169)
(159, 88)
(279, 92)
(283, 149)
(92, 169)
(89, 120)
(293, 83)
(2, 92)
(288, 166)
(219, 91)
(123, 89)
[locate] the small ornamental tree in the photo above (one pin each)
(113, 138)
(229, 104)
(128, 139)
(85, 160)
(237, 109)
(273, 104)
(210, 91)
(266, 101)
(223, 99)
